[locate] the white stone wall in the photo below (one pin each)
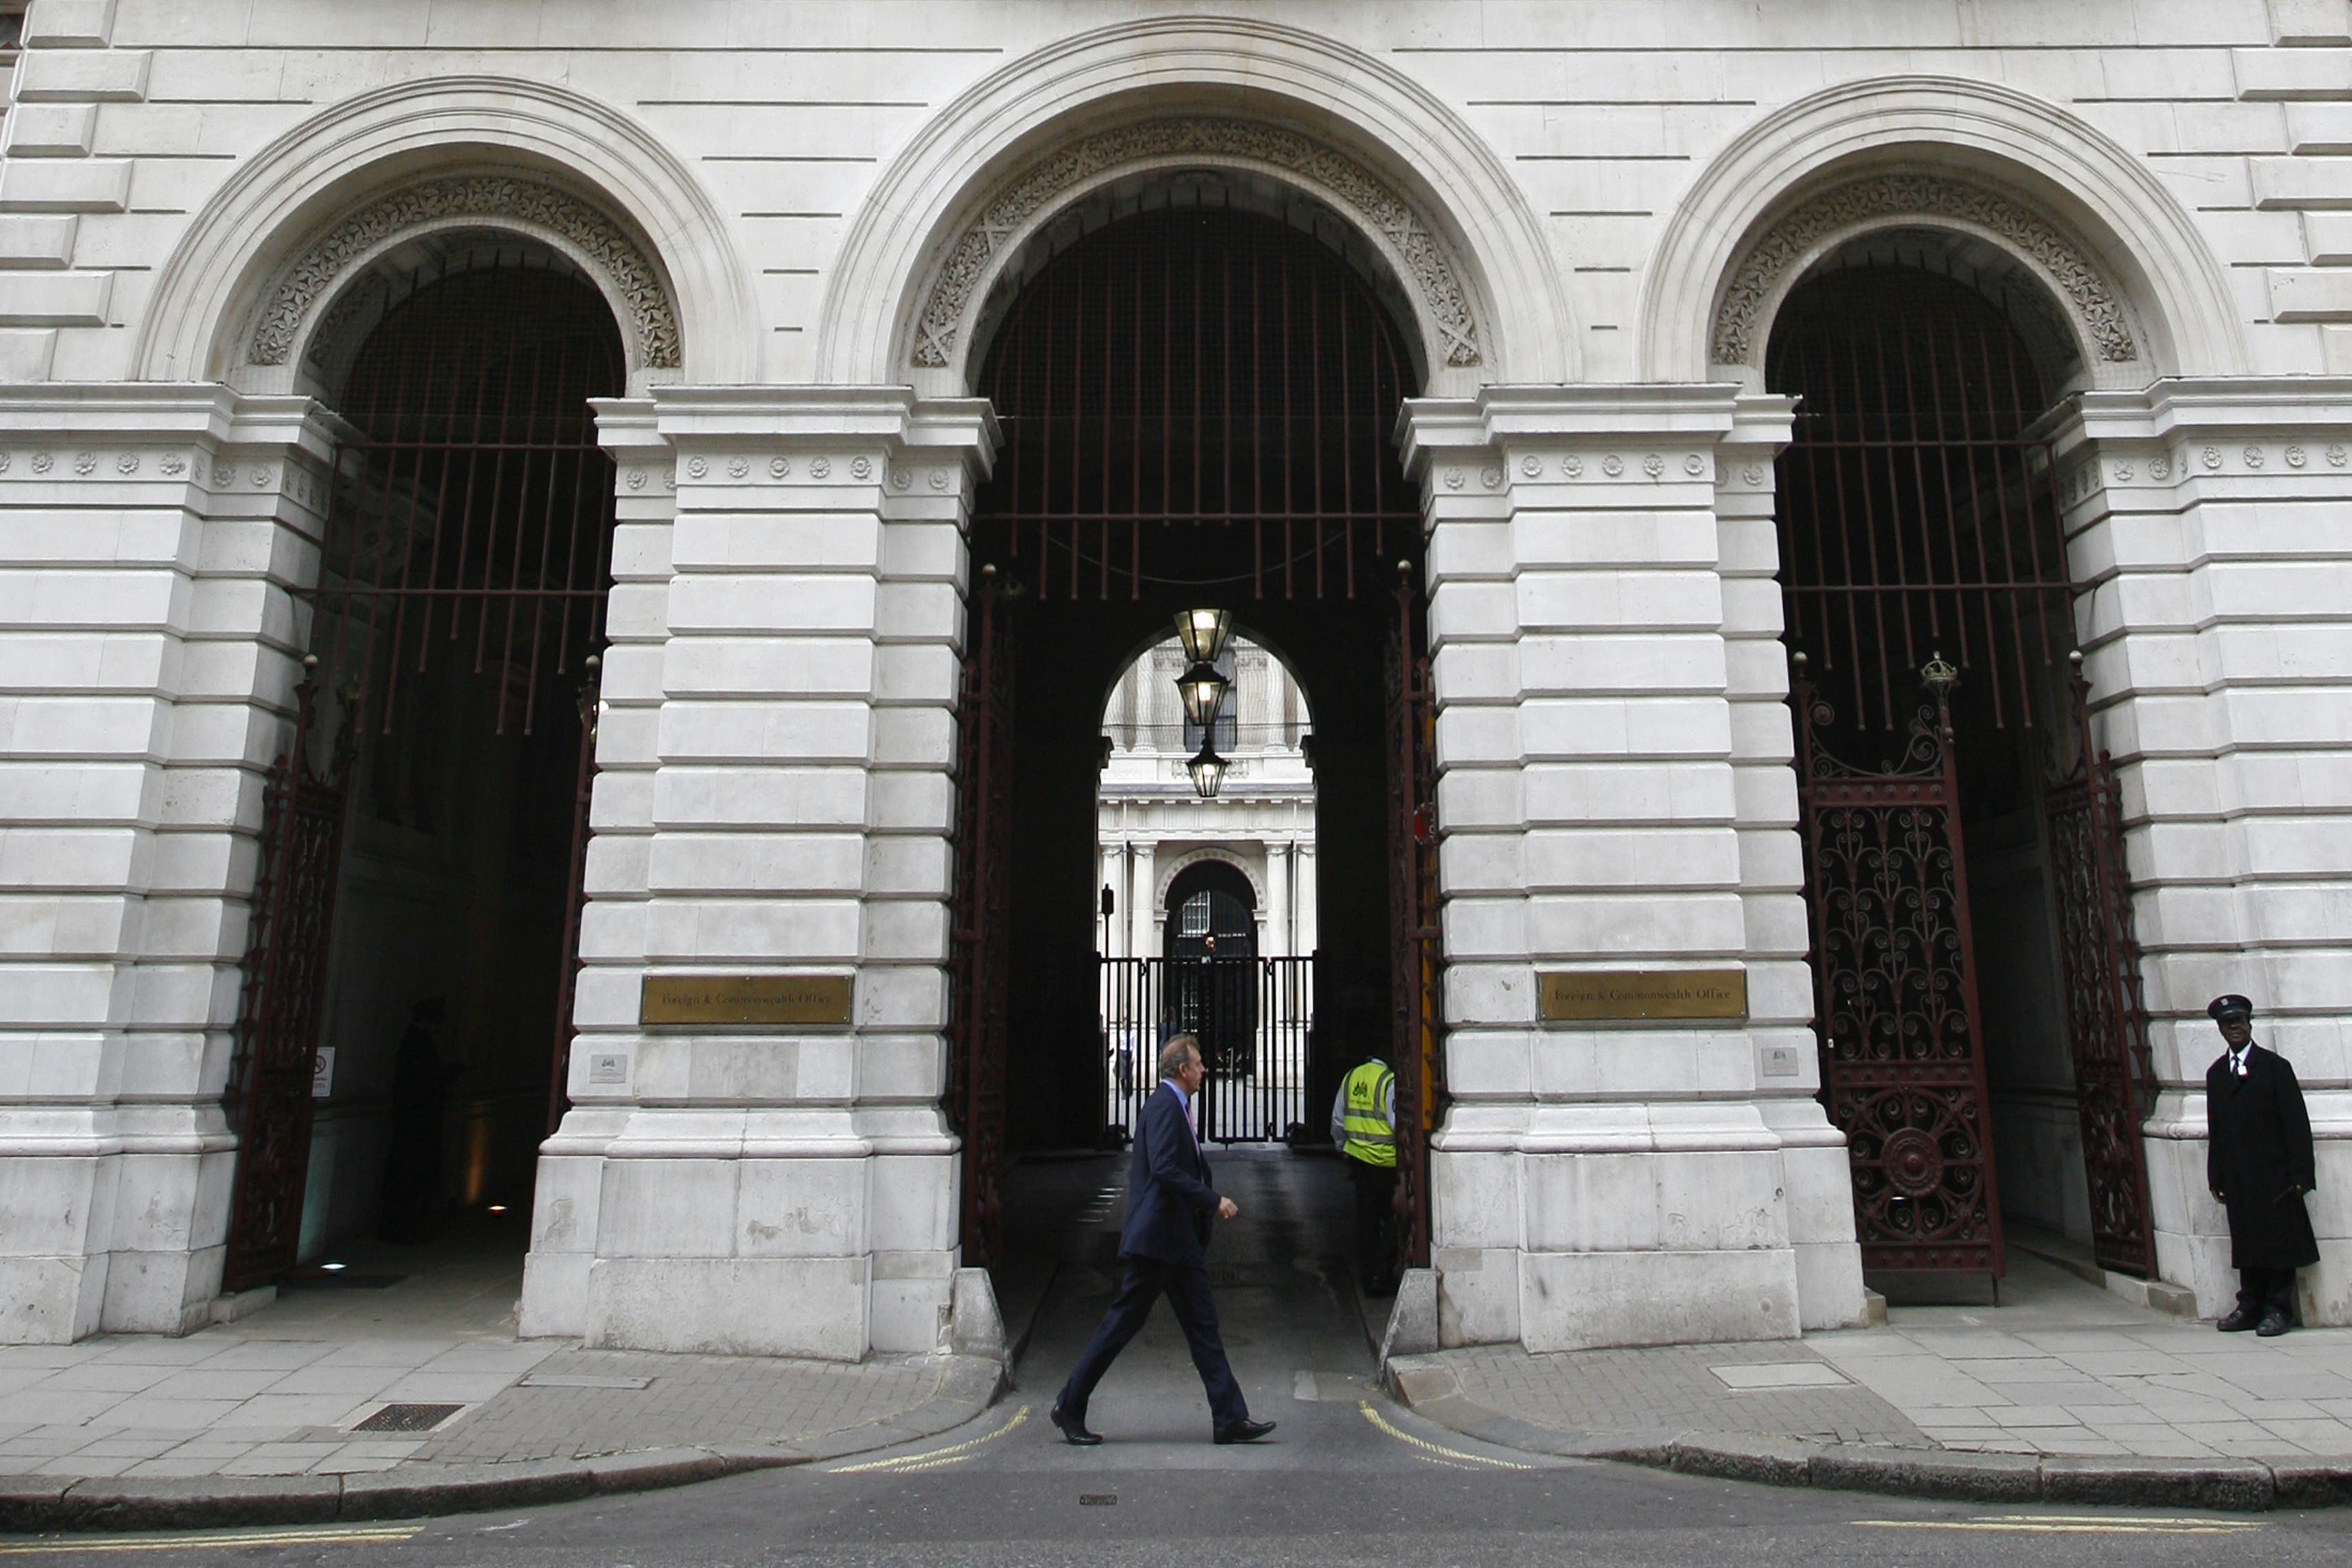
(1576, 180)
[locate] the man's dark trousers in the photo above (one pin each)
(1164, 1245)
(1186, 1285)
(1375, 1225)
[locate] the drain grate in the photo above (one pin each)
(408, 1418)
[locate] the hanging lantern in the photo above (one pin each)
(1208, 771)
(1204, 633)
(1204, 689)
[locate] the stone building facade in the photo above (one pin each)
(805, 221)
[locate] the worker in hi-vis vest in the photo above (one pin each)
(1363, 1128)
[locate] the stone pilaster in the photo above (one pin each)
(150, 537)
(780, 1190)
(2203, 536)
(1605, 1184)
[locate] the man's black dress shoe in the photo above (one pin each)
(2274, 1324)
(1073, 1428)
(2238, 1321)
(1244, 1431)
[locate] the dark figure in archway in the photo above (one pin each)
(411, 1209)
(2258, 1160)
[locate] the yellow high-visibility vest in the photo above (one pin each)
(1365, 1133)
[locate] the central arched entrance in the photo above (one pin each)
(1199, 386)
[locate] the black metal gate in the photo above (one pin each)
(269, 1099)
(978, 926)
(1920, 516)
(1416, 942)
(469, 527)
(1251, 1017)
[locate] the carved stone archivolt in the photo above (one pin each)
(1347, 184)
(493, 199)
(1760, 273)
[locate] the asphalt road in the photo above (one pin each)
(1347, 1477)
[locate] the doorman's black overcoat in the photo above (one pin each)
(2258, 1153)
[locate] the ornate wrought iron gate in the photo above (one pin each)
(1417, 948)
(980, 924)
(2106, 1019)
(470, 521)
(1895, 961)
(284, 977)
(1919, 512)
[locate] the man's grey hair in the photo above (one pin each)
(1180, 1049)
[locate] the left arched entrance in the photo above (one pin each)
(419, 888)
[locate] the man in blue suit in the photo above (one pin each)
(1169, 1208)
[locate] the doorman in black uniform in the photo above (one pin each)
(2258, 1160)
(1170, 1208)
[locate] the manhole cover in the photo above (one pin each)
(408, 1418)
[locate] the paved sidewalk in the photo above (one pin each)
(2067, 1377)
(417, 1398)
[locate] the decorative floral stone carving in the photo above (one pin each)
(636, 478)
(175, 464)
(1350, 186)
(1612, 465)
(821, 468)
(2252, 456)
(861, 468)
(85, 462)
(780, 468)
(2211, 457)
(2123, 473)
(697, 466)
(1654, 465)
(739, 468)
(938, 479)
(1573, 466)
(2295, 457)
(2160, 466)
(1453, 479)
(1752, 475)
(1759, 273)
(1491, 477)
(41, 461)
(4, 461)
(1531, 465)
(491, 198)
(2336, 456)
(1694, 465)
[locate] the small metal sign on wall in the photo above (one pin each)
(1640, 995)
(798, 999)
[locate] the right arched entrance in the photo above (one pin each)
(1983, 1039)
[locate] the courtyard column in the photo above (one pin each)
(1598, 1181)
(1144, 941)
(150, 539)
(1277, 900)
(2203, 541)
(787, 1185)
(1303, 889)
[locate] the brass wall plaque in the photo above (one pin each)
(1590, 995)
(745, 999)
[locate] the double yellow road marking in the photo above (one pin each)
(320, 1535)
(930, 1459)
(1435, 1453)
(2068, 1524)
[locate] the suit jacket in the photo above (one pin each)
(1170, 1204)
(2258, 1151)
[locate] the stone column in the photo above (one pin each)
(787, 1189)
(1303, 887)
(1142, 907)
(1594, 1184)
(149, 536)
(1277, 900)
(2202, 535)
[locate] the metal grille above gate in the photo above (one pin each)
(1196, 396)
(1920, 534)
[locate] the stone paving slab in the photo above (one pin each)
(126, 1433)
(2070, 1394)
